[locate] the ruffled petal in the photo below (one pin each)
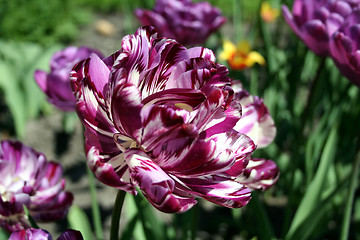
(90, 92)
(256, 122)
(125, 110)
(156, 185)
(259, 174)
(219, 190)
(114, 172)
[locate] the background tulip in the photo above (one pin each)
(29, 179)
(314, 21)
(187, 22)
(56, 83)
(345, 47)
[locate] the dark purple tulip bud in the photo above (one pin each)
(315, 21)
(345, 47)
(187, 22)
(56, 83)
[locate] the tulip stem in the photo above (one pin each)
(310, 100)
(236, 20)
(115, 219)
(30, 218)
(95, 205)
(350, 198)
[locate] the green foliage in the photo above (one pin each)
(46, 22)
(78, 220)
(18, 61)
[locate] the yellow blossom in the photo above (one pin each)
(240, 57)
(268, 13)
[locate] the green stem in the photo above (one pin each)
(236, 20)
(115, 219)
(95, 205)
(310, 98)
(350, 199)
(30, 218)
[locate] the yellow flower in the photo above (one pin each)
(240, 57)
(268, 13)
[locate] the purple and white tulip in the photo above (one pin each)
(56, 83)
(187, 22)
(28, 179)
(315, 21)
(345, 47)
(163, 118)
(40, 234)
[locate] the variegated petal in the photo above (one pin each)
(259, 174)
(114, 172)
(156, 185)
(219, 190)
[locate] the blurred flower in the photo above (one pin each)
(268, 13)
(27, 178)
(256, 121)
(162, 117)
(314, 21)
(40, 234)
(345, 47)
(186, 22)
(56, 84)
(240, 57)
(30, 234)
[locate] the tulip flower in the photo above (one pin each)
(40, 234)
(345, 47)
(268, 13)
(161, 117)
(56, 83)
(315, 21)
(187, 22)
(28, 179)
(240, 57)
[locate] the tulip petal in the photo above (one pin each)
(114, 176)
(259, 174)
(219, 190)
(91, 105)
(256, 122)
(156, 185)
(125, 110)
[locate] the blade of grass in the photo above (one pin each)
(95, 205)
(313, 219)
(78, 221)
(153, 228)
(351, 194)
(262, 218)
(309, 201)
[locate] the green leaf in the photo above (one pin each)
(314, 217)
(79, 221)
(13, 97)
(310, 201)
(130, 228)
(153, 227)
(3, 234)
